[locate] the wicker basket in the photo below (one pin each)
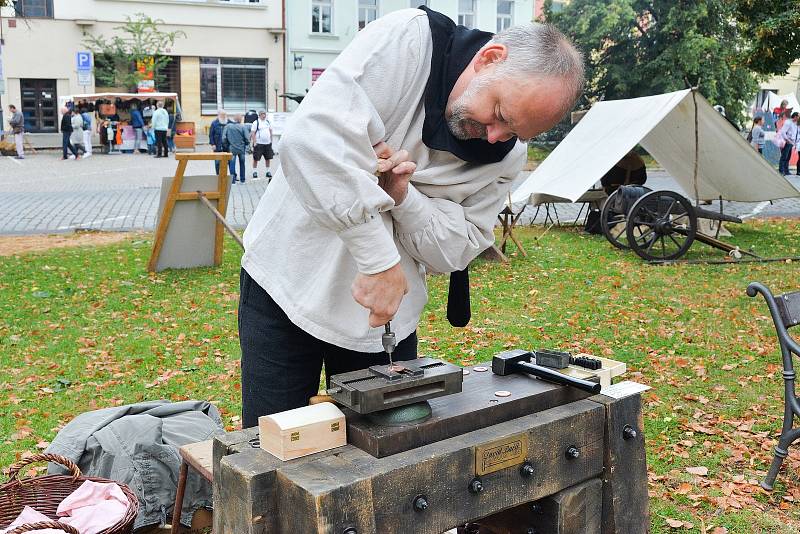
(45, 493)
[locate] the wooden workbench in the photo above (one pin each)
(587, 471)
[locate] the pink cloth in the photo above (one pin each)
(93, 507)
(29, 515)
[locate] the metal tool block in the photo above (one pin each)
(552, 358)
(382, 387)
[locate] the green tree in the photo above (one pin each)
(772, 34)
(138, 41)
(643, 47)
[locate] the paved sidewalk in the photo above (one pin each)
(42, 194)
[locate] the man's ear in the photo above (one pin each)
(490, 54)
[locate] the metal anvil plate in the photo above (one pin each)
(379, 388)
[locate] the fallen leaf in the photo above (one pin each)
(700, 470)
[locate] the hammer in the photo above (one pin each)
(519, 361)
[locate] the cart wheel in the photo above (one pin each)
(661, 226)
(613, 222)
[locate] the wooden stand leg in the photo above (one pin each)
(176, 513)
(163, 221)
(625, 500)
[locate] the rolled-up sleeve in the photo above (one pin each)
(326, 153)
(445, 235)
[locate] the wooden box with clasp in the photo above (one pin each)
(302, 431)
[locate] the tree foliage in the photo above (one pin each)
(772, 34)
(138, 41)
(643, 47)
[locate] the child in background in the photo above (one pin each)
(151, 139)
(757, 134)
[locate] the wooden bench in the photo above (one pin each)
(198, 456)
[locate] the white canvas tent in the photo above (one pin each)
(774, 101)
(665, 126)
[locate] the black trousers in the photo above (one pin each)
(161, 142)
(281, 364)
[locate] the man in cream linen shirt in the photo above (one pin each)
(332, 252)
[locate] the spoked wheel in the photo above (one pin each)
(661, 226)
(614, 222)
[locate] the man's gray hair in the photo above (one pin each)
(221, 111)
(541, 49)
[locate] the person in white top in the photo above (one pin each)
(789, 137)
(333, 250)
(261, 138)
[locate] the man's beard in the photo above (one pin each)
(460, 126)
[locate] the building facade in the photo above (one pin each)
(231, 54)
(317, 30)
(788, 83)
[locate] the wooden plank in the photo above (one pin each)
(200, 457)
(625, 501)
(333, 490)
(223, 157)
(223, 183)
(475, 407)
(192, 195)
(166, 216)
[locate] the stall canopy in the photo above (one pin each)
(665, 126)
(774, 101)
(93, 97)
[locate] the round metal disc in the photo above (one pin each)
(402, 415)
(480, 369)
(502, 393)
(465, 371)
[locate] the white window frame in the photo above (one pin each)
(417, 3)
(321, 4)
(367, 9)
(505, 20)
(467, 18)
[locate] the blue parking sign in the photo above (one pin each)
(84, 60)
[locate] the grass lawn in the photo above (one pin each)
(85, 328)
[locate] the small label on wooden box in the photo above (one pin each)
(500, 454)
(335, 426)
(295, 436)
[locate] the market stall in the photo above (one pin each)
(112, 116)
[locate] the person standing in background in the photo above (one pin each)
(76, 138)
(137, 122)
(215, 135)
(171, 132)
(261, 137)
(160, 124)
(757, 135)
(788, 137)
(87, 133)
(236, 136)
(66, 132)
(17, 123)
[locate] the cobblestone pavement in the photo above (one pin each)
(42, 194)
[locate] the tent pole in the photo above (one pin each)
(696, 148)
